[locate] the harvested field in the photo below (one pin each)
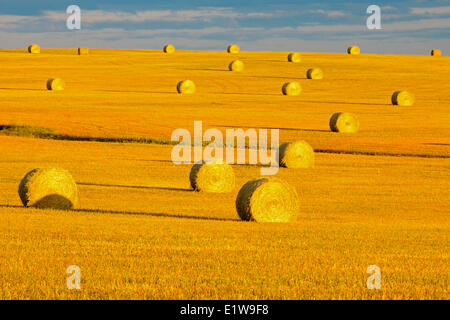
(375, 197)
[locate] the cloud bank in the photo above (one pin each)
(410, 30)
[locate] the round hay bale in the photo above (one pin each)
(186, 87)
(296, 155)
(51, 188)
(315, 74)
(353, 50)
(169, 48)
(294, 57)
(83, 51)
(34, 48)
(291, 89)
(236, 65)
(403, 99)
(232, 48)
(55, 84)
(344, 122)
(436, 53)
(212, 177)
(267, 200)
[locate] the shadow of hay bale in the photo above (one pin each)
(54, 201)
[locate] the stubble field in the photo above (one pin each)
(377, 197)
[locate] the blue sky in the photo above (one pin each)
(409, 26)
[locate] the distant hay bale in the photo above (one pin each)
(436, 53)
(83, 51)
(169, 48)
(236, 65)
(295, 155)
(315, 74)
(294, 57)
(55, 84)
(212, 177)
(403, 99)
(51, 188)
(186, 87)
(267, 200)
(34, 48)
(291, 89)
(232, 48)
(353, 50)
(344, 122)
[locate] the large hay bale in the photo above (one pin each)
(186, 87)
(315, 74)
(402, 98)
(34, 48)
(169, 48)
(344, 122)
(291, 89)
(56, 84)
(353, 50)
(294, 57)
(295, 155)
(267, 200)
(83, 51)
(436, 52)
(236, 65)
(52, 188)
(212, 177)
(232, 48)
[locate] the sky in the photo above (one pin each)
(408, 26)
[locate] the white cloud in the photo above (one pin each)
(331, 28)
(388, 8)
(330, 13)
(55, 20)
(201, 14)
(422, 24)
(412, 25)
(392, 16)
(191, 37)
(270, 39)
(8, 21)
(16, 19)
(413, 12)
(431, 11)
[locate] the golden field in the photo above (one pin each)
(377, 197)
